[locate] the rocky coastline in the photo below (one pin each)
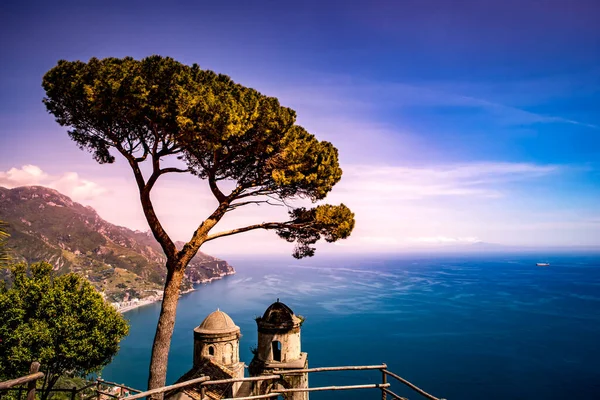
(132, 304)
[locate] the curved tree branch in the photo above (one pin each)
(257, 202)
(155, 175)
(259, 192)
(264, 225)
(190, 249)
(173, 169)
(159, 233)
(212, 183)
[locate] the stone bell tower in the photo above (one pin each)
(217, 339)
(278, 350)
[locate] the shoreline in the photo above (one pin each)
(196, 285)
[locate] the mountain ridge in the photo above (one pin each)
(46, 225)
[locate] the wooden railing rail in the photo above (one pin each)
(234, 380)
(32, 377)
(204, 381)
(88, 386)
(258, 396)
(329, 369)
(348, 387)
(313, 389)
(14, 385)
(114, 396)
(384, 386)
(21, 380)
(394, 395)
(30, 380)
(103, 382)
(410, 385)
(167, 388)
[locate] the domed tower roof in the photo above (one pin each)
(278, 315)
(217, 322)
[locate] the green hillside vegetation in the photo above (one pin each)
(61, 321)
(122, 264)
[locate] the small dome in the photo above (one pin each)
(217, 322)
(278, 313)
(279, 318)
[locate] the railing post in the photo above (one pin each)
(202, 391)
(73, 393)
(383, 381)
(35, 367)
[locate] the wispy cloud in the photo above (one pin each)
(400, 206)
(338, 94)
(514, 115)
(403, 94)
(482, 180)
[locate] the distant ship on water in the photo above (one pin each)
(543, 264)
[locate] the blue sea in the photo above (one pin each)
(459, 326)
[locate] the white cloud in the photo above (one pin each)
(69, 183)
(25, 176)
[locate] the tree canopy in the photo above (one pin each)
(156, 108)
(60, 321)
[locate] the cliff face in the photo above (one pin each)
(46, 225)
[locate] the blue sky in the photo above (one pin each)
(456, 121)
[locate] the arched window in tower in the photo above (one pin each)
(228, 354)
(211, 350)
(276, 350)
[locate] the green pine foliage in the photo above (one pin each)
(156, 107)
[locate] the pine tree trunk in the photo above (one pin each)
(164, 329)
